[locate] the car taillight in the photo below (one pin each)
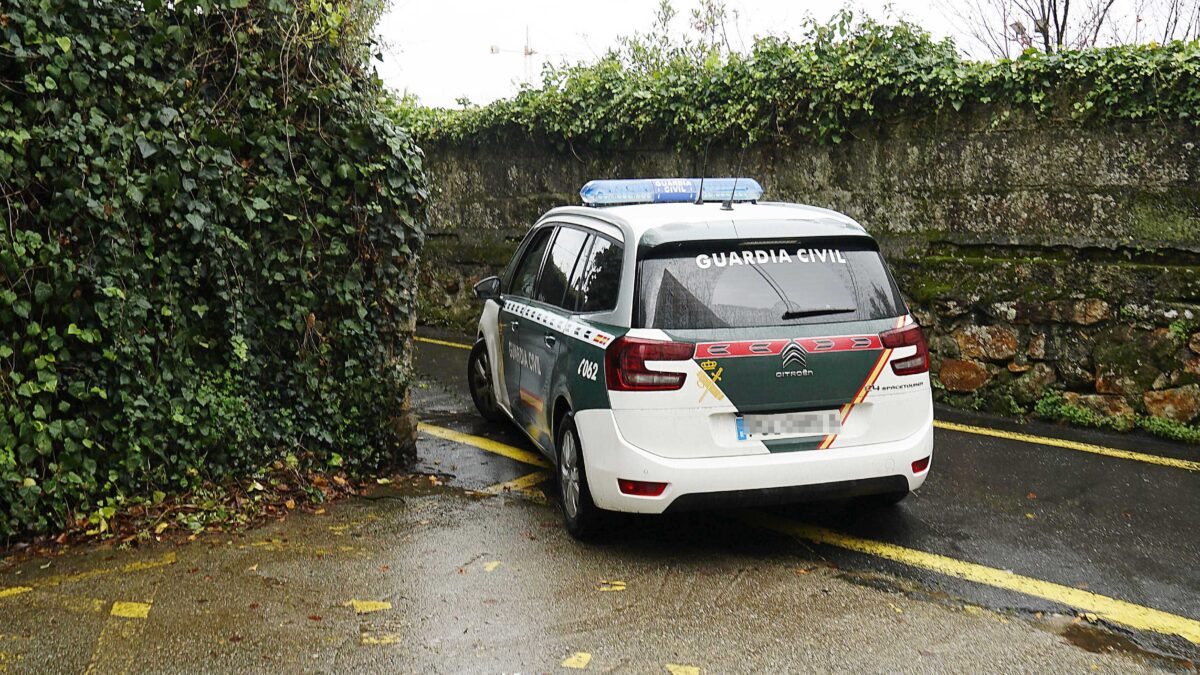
(909, 336)
(625, 364)
(640, 488)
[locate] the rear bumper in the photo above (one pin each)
(745, 479)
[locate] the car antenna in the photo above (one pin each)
(703, 173)
(727, 205)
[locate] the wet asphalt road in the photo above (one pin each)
(458, 575)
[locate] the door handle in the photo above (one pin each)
(514, 325)
(550, 340)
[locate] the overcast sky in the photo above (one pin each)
(440, 50)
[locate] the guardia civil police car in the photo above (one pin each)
(674, 345)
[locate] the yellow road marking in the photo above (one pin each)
(610, 586)
(382, 639)
(131, 610)
(368, 606)
(1188, 465)
(443, 343)
(115, 648)
(578, 660)
(60, 579)
(1104, 607)
(525, 484)
(486, 444)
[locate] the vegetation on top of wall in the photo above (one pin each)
(206, 264)
(834, 78)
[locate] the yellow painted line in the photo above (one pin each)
(382, 638)
(131, 610)
(1106, 608)
(1186, 464)
(115, 648)
(485, 444)
(443, 343)
(578, 661)
(368, 606)
(524, 484)
(60, 579)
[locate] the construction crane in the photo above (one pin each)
(528, 52)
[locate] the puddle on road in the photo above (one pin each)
(1098, 640)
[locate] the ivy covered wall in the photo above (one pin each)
(207, 257)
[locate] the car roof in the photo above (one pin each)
(655, 224)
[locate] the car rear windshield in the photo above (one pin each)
(775, 283)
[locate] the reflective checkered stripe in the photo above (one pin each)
(562, 325)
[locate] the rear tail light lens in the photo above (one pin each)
(920, 465)
(625, 364)
(909, 336)
(640, 488)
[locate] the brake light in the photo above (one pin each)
(909, 336)
(640, 488)
(920, 465)
(625, 364)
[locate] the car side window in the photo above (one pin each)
(526, 272)
(600, 280)
(560, 264)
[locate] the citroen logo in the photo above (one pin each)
(794, 354)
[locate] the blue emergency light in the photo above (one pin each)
(669, 190)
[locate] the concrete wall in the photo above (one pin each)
(1039, 258)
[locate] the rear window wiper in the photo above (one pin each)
(801, 313)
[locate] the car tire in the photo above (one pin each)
(479, 381)
(581, 516)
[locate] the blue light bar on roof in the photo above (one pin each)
(668, 190)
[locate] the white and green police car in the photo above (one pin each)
(671, 345)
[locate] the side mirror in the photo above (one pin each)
(488, 289)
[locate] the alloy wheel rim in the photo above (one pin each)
(569, 473)
(481, 381)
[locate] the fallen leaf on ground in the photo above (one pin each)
(578, 660)
(896, 608)
(252, 568)
(675, 669)
(291, 504)
(614, 585)
(491, 567)
(383, 481)
(1030, 516)
(313, 617)
(1031, 495)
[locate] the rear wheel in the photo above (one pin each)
(580, 515)
(479, 380)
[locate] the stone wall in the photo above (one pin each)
(1040, 258)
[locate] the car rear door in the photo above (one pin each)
(544, 339)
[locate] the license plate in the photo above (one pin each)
(816, 423)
